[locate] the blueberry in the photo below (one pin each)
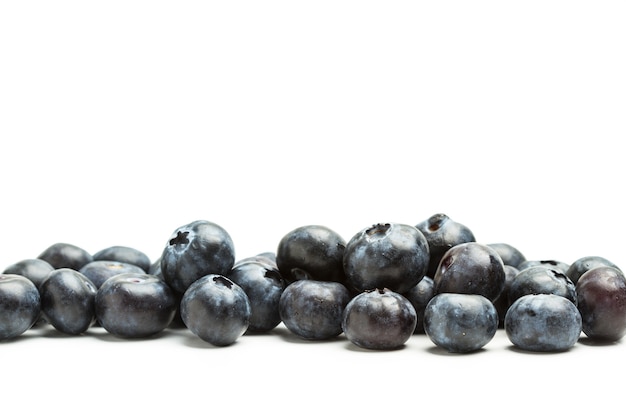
(460, 323)
(135, 305)
(66, 255)
(419, 296)
(379, 319)
(313, 309)
(387, 255)
(550, 263)
(68, 301)
(263, 284)
(194, 250)
(100, 271)
(216, 310)
(543, 323)
(601, 294)
(502, 301)
(541, 280)
(584, 264)
(470, 268)
(35, 269)
(442, 233)
(311, 252)
(266, 258)
(20, 305)
(125, 255)
(509, 254)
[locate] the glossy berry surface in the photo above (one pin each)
(263, 284)
(34, 269)
(386, 255)
(20, 305)
(124, 254)
(65, 255)
(471, 268)
(68, 301)
(135, 305)
(311, 252)
(216, 310)
(194, 250)
(541, 280)
(501, 302)
(584, 264)
(543, 323)
(100, 271)
(442, 233)
(549, 263)
(379, 319)
(601, 294)
(313, 310)
(419, 296)
(509, 254)
(460, 323)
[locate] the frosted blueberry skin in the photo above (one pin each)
(263, 284)
(311, 252)
(135, 305)
(386, 255)
(66, 255)
(471, 268)
(541, 280)
(100, 271)
(560, 266)
(509, 254)
(501, 303)
(379, 319)
(124, 254)
(419, 296)
(601, 293)
(194, 250)
(216, 310)
(313, 310)
(266, 258)
(543, 323)
(20, 305)
(68, 301)
(460, 323)
(442, 233)
(584, 264)
(34, 269)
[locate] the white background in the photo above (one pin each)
(122, 120)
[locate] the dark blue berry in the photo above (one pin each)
(543, 323)
(66, 255)
(313, 309)
(194, 250)
(601, 294)
(379, 319)
(263, 284)
(133, 305)
(124, 254)
(35, 269)
(460, 323)
(387, 255)
(20, 305)
(442, 233)
(68, 301)
(311, 252)
(216, 310)
(471, 268)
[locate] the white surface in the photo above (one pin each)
(123, 120)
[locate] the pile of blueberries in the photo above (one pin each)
(388, 282)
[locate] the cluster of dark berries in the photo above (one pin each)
(388, 282)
